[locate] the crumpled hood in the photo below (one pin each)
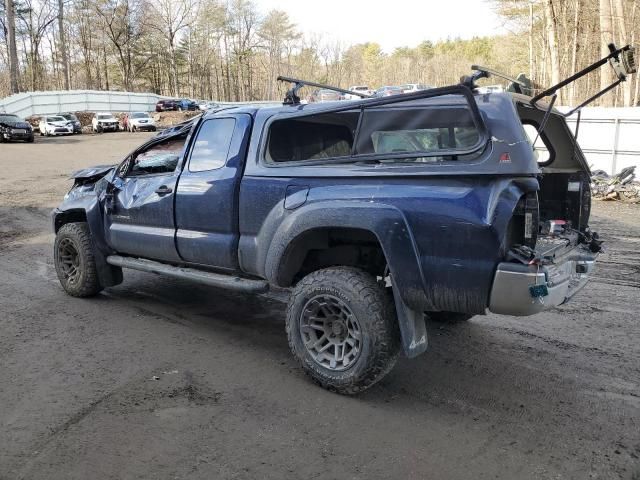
(92, 172)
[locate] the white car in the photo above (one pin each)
(104, 122)
(208, 106)
(139, 121)
(360, 89)
(414, 87)
(55, 125)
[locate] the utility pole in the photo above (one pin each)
(11, 44)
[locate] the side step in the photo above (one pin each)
(214, 279)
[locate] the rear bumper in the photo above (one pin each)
(511, 294)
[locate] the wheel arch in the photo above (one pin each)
(87, 210)
(378, 226)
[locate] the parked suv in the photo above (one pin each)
(70, 117)
(164, 105)
(373, 213)
(139, 121)
(105, 122)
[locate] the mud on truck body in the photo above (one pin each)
(377, 214)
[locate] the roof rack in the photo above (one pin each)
(483, 72)
(292, 98)
(623, 62)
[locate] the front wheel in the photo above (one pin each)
(74, 260)
(342, 328)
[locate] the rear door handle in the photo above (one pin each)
(163, 190)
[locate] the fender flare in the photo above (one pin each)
(391, 229)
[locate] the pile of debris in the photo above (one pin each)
(622, 186)
(168, 119)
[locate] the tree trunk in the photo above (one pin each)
(552, 39)
(606, 37)
(531, 72)
(63, 45)
(574, 52)
(11, 45)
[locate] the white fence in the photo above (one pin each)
(44, 103)
(609, 137)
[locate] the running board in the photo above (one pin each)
(214, 279)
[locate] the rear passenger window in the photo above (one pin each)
(212, 144)
(313, 137)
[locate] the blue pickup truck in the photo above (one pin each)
(378, 214)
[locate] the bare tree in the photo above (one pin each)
(552, 40)
(606, 37)
(170, 18)
(64, 58)
(11, 46)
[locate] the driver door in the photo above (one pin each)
(140, 216)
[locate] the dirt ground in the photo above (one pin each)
(164, 379)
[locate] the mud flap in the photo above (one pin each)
(413, 330)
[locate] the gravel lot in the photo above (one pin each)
(164, 379)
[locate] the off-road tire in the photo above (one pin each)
(86, 284)
(449, 317)
(371, 304)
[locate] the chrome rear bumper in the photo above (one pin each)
(511, 294)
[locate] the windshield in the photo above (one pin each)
(56, 119)
(69, 116)
(105, 117)
(9, 118)
(139, 115)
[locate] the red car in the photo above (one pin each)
(166, 105)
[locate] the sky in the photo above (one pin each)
(391, 24)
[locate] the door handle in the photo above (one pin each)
(163, 190)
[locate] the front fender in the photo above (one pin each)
(81, 205)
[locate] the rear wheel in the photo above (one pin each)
(74, 260)
(342, 328)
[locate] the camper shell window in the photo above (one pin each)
(427, 130)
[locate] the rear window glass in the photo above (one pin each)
(399, 132)
(416, 129)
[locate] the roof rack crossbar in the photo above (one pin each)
(484, 72)
(621, 59)
(292, 98)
